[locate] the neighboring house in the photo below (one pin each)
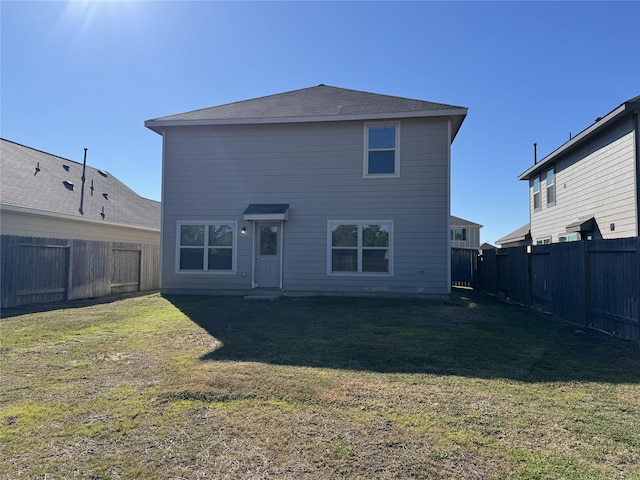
(321, 190)
(517, 238)
(464, 234)
(64, 238)
(43, 195)
(589, 187)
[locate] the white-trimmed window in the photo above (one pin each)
(551, 187)
(458, 234)
(382, 149)
(536, 194)
(206, 247)
(569, 237)
(360, 247)
(543, 241)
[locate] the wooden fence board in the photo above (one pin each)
(614, 270)
(593, 283)
(464, 267)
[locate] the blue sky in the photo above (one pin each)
(88, 74)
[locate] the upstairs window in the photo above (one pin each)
(459, 234)
(551, 187)
(536, 193)
(206, 247)
(382, 152)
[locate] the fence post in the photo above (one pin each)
(586, 256)
(529, 276)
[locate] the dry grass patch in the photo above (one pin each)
(204, 387)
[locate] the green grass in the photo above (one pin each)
(318, 388)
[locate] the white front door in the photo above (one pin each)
(268, 252)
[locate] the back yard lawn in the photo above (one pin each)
(313, 388)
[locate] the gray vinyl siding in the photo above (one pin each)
(597, 179)
(213, 173)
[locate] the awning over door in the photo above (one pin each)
(267, 211)
(583, 225)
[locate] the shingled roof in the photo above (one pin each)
(41, 182)
(314, 104)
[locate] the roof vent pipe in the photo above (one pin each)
(535, 153)
(84, 168)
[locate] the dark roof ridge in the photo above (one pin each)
(50, 154)
(256, 100)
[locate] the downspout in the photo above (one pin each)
(448, 231)
(636, 129)
(162, 242)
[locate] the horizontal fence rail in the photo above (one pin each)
(39, 270)
(595, 283)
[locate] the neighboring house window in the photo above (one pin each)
(551, 187)
(360, 247)
(459, 234)
(536, 193)
(382, 151)
(206, 247)
(543, 241)
(569, 237)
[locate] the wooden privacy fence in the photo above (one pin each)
(464, 267)
(593, 283)
(37, 270)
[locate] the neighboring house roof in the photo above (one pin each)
(461, 222)
(314, 104)
(627, 108)
(33, 181)
(518, 235)
(486, 246)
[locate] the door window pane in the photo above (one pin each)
(269, 240)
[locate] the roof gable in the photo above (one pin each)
(320, 103)
(461, 222)
(39, 181)
(517, 235)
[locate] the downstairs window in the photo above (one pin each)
(360, 247)
(206, 247)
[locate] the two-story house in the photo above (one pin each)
(321, 190)
(588, 187)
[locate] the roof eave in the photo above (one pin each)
(598, 125)
(158, 125)
(65, 216)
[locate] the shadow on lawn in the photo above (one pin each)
(470, 335)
